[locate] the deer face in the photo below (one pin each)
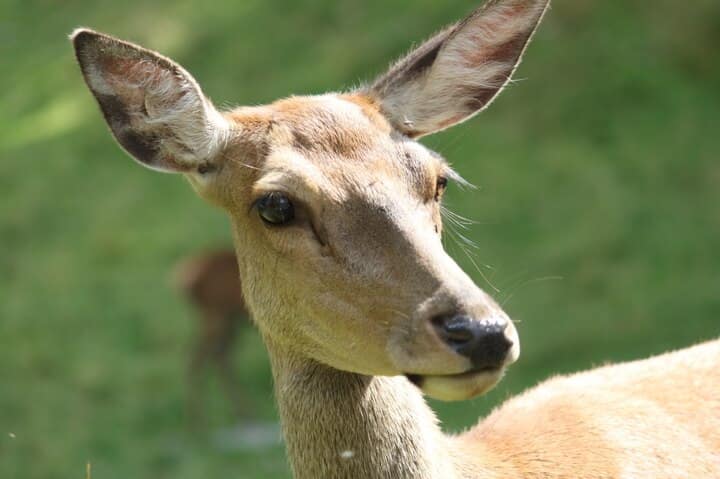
(335, 206)
(337, 222)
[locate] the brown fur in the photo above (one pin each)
(344, 295)
(210, 281)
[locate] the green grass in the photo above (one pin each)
(600, 168)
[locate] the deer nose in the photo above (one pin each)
(484, 342)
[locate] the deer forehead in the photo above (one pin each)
(336, 145)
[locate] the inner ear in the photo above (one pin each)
(459, 71)
(154, 108)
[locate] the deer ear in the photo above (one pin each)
(154, 108)
(459, 71)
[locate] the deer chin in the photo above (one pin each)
(463, 386)
(457, 387)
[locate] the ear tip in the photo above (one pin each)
(82, 38)
(82, 34)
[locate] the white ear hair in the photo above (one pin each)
(154, 107)
(460, 70)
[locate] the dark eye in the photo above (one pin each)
(440, 187)
(275, 208)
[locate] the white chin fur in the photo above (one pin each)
(461, 386)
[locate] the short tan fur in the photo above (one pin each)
(335, 211)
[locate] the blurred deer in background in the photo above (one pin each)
(210, 281)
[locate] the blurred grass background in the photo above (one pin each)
(598, 210)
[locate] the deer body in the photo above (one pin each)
(335, 210)
(211, 282)
(655, 418)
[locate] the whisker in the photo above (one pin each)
(236, 161)
(531, 281)
(456, 219)
(464, 244)
(398, 312)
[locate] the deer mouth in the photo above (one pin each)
(457, 387)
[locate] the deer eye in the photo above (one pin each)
(275, 208)
(440, 187)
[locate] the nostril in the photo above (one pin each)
(482, 341)
(456, 329)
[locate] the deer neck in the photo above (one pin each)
(345, 425)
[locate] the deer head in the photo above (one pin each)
(335, 207)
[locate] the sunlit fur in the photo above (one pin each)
(357, 275)
(343, 295)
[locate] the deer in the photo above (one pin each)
(210, 281)
(334, 207)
